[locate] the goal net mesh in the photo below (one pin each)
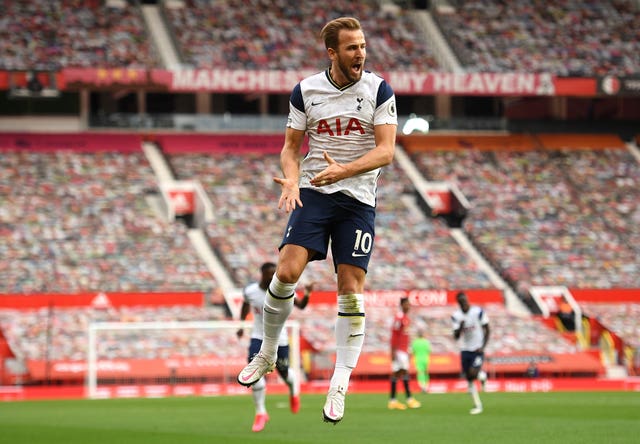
(155, 359)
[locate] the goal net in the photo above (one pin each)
(157, 359)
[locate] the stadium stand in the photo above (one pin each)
(566, 38)
(44, 35)
(247, 228)
(622, 320)
(575, 38)
(245, 201)
(72, 221)
(264, 31)
(560, 215)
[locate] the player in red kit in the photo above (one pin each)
(400, 357)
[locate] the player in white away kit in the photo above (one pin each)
(471, 329)
(253, 301)
(350, 117)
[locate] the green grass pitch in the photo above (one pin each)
(561, 417)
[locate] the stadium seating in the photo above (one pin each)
(566, 38)
(264, 32)
(620, 318)
(81, 207)
(78, 222)
(549, 217)
(569, 38)
(248, 227)
(44, 35)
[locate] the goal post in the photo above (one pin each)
(165, 358)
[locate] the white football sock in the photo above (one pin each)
(291, 382)
(259, 393)
(349, 337)
(278, 305)
(473, 391)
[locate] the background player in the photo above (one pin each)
(254, 295)
(471, 330)
(421, 351)
(350, 117)
(400, 357)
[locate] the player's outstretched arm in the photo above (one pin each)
(290, 164)
(244, 312)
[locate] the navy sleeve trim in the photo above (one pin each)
(296, 98)
(384, 93)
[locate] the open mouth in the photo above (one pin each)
(356, 68)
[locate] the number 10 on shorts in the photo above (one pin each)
(363, 243)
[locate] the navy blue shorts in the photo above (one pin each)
(347, 222)
(471, 359)
(282, 361)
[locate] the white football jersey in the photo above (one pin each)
(255, 296)
(341, 120)
(472, 334)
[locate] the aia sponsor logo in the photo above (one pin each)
(339, 127)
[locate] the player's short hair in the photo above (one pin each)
(403, 300)
(331, 30)
(266, 266)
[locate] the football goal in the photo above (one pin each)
(169, 358)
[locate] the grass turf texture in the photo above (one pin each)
(566, 417)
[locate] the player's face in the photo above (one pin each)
(463, 303)
(349, 57)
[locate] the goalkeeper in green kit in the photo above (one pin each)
(421, 351)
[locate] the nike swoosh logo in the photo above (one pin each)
(245, 379)
(331, 412)
(316, 103)
(354, 254)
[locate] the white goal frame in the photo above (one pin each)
(91, 380)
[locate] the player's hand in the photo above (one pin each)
(331, 174)
(289, 195)
(239, 333)
(309, 287)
